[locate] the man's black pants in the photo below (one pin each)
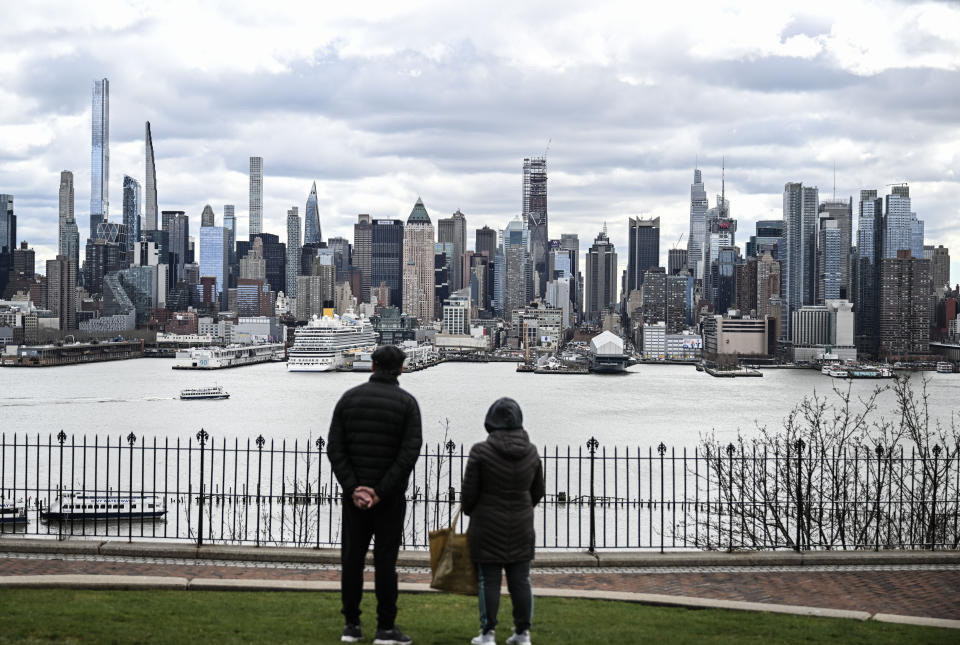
(384, 522)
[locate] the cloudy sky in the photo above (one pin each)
(381, 103)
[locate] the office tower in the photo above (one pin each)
(207, 217)
(230, 231)
(363, 254)
(535, 216)
(800, 206)
(939, 268)
(486, 241)
(256, 195)
(696, 236)
(677, 261)
(150, 196)
(571, 242)
(342, 257)
(62, 290)
(69, 235)
(100, 155)
(721, 233)
(513, 268)
(904, 305)
(560, 264)
(418, 264)
(214, 256)
(724, 279)
(830, 262)
(274, 254)
(386, 257)
(442, 256)
(746, 280)
(131, 210)
(293, 251)
(869, 254)
(601, 280)
(898, 223)
(311, 223)
(453, 230)
(24, 262)
(102, 257)
(252, 265)
(841, 212)
(768, 283)
(8, 239)
(769, 238)
(643, 251)
(177, 226)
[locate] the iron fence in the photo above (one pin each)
(281, 492)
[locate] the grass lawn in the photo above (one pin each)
(77, 616)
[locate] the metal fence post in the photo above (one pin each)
(131, 439)
(876, 539)
(799, 445)
(933, 512)
(661, 450)
(592, 446)
(730, 450)
(320, 444)
(260, 442)
(61, 437)
(450, 446)
(202, 437)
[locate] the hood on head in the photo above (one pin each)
(504, 414)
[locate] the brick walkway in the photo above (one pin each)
(921, 590)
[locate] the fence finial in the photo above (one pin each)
(202, 436)
(662, 449)
(592, 444)
(320, 443)
(131, 439)
(731, 449)
(879, 451)
(61, 437)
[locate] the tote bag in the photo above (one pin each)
(450, 564)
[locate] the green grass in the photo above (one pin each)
(79, 616)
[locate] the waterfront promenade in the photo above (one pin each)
(918, 587)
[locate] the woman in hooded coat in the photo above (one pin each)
(502, 483)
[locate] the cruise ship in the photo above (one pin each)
(326, 344)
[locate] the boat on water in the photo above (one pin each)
(12, 513)
(324, 344)
(90, 506)
(945, 367)
(860, 371)
(211, 392)
(215, 358)
(606, 354)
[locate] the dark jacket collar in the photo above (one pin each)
(378, 377)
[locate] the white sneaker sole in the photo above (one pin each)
(380, 641)
(350, 639)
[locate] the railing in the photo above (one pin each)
(282, 492)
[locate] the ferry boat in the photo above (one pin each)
(860, 371)
(215, 358)
(12, 513)
(323, 344)
(945, 367)
(212, 392)
(90, 506)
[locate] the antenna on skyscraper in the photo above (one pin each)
(723, 186)
(834, 180)
(547, 149)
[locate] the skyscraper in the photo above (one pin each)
(902, 230)
(150, 198)
(841, 212)
(8, 225)
(601, 280)
(869, 254)
(256, 195)
(769, 238)
(643, 251)
(698, 211)
(571, 242)
(904, 305)
(311, 222)
(800, 206)
(830, 262)
(363, 254)
(486, 241)
(177, 225)
(131, 210)
(69, 235)
(293, 251)
(214, 257)
(418, 264)
(100, 155)
(939, 268)
(386, 261)
(535, 215)
(768, 283)
(515, 274)
(207, 217)
(62, 290)
(453, 230)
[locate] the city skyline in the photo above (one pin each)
(602, 165)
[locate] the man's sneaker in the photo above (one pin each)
(523, 638)
(391, 637)
(351, 634)
(484, 638)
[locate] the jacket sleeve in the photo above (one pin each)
(470, 487)
(337, 451)
(537, 486)
(394, 481)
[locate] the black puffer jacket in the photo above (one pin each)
(502, 483)
(375, 437)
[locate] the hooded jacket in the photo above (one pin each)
(502, 483)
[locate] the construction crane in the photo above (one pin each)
(677, 243)
(547, 149)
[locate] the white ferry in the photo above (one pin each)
(12, 513)
(324, 343)
(945, 367)
(212, 392)
(216, 358)
(90, 506)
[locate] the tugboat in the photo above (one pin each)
(88, 506)
(213, 392)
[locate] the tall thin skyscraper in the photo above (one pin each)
(698, 211)
(840, 211)
(100, 155)
(256, 195)
(150, 197)
(8, 226)
(386, 243)
(131, 211)
(230, 232)
(418, 264)
(869, 254)
(601, 277)
(363, 254)
(644, 250)
(800, 206)
(69, 234)
(293, 250)
(535, 214)
(571, 242)
(311, 223)
(513, 266)
(62, 290)
(453, 230)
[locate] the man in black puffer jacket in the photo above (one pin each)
(374, 442)
(502, 483)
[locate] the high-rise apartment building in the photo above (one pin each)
(230, 231)
(664, 299)
(486, 241)
(869, 255)
(513, 268)
(453, 230)
(904, 306)
(601, 279)
(535, 216)
(800, 207)
(696, 236)
(256, 195)
(311, 222)
(386, 261)
(293, 251)
(177, 225)
(768, 283)
(8, 239)
(418, 264)
(769, 238)
(939, 268)
(363, 254)
(677, 261)
(61, 289)
(69, 235)
(831, 260)
(643, 251)
(841, 212)
(100, 155)
(150, 196)
(747, 285)
(902, 230)
(131, 210)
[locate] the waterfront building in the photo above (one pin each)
(418, 264)
(538, 325)
(363, 254)
(61, 288)
(256, 197)
(386, 262)
(731, 338)
(838, 255)
(535, 218)
(768, 239)
(601, 282)
(453, 230)
(643, 250)
(311, 222)
(663, 299)
(824, 332)
(293, 251)
(131, 211)
(768, 283)
(456, 313)
(677, 261)
(150, 197)
(869, 255)
(800, 206)
(697, 235)
(100, 155)
(658, 345)
(904, 306)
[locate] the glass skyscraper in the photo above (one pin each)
(256, 195)
(214, 259)
(131, 210)
(311, 224)
(151, 184)
(100, 155)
